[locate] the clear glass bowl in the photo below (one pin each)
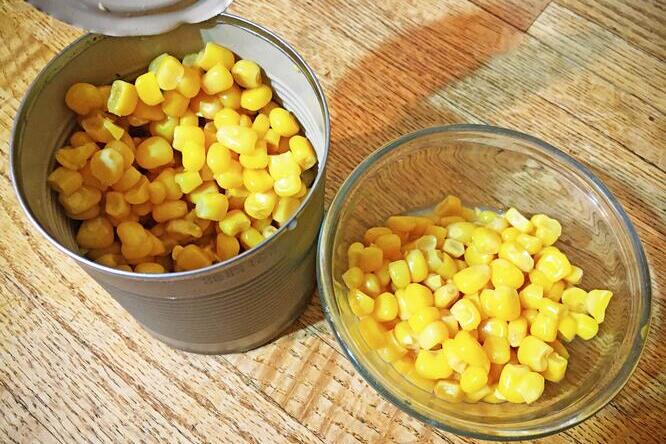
(496, 168)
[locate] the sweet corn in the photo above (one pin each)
(449, 391)
(485, 240)
(531, 296)
(353, 278)
(354, 253)
(575, 299)
(154, 152)
(172, 209)
(554, 264)
(303, 152)
(532, 244)
(461, 231)
(433, 281)
(95, 233)
(139, 193)
(287, 186)
(385, 305)
(596, 303)
(497, 349)
(284, 209)
(555, 292)
(529, 314)
(212, 206)
(283, 122)
(510, 234)
(80, 200)
(82, 98)
(538, 278)
(168, 71)
(399, 272)
(517, 220)
(189, 84)
(93, 125)
(556, 368)
(517, 255)
(502, 302)
(246, 73)
(403, 332)
(191, 257)
(142, 209)
(393, 350)
(261, 125)
(164, 128)
(454, 248)
(517, 331)
(217, 79)
(80, 138)
(450, 206)
(473, 379)
(509, 381)
(372, 332)
(238, 138)
(586, 326)
(148, 90)
(419, 318)
(466, 313)
(530, 387)
(188, 181)
(65, 181)
(168, 178)
(470, 351)
(416, 296)
(260, 205)
(91, 212)
(389, 243)
(205, 106)
(107, 166)
(433, 334)
(254, 99)
(474, 257)
(213, 54)
(505, 273)
(544, 327)
(75, 158)
(418, 267)
(116, 205)
(116, 131)
(575, 276)
(226, 247)
(235, 222)
(446, 295)
(232, 177)
(123, 98)
(478, 395)
(472, 279)
(534, 353)
(371, 259)
(552, 308)
(257, 159)
(493, 327)
(257, 181)
(547, 229)
(432, 365)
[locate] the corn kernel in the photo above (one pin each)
(284, 209)
(432, 365)
(237, 138)
(232, 177)
(80, 138)
(226, 247)
(433, 281)
(497, 349)
(65, 181)
(116, 205)
(386, 307)
(552, 308)
(191, 257)
(454, 247)
(95, 233)
(450, 206)
(173, 209)
(544, 327)
(466, 313)
(175, 104)
(505, 273)
(586, 326)
(147, 89)
(164, 128)
(596, 303)
(217, 79)
(502, 302)
(213, 54)
(461, 231)
(283, 122)
(254, 99)
(393, 350)
(212, 206)
(260, 205)
(556, 368)
(538, 278)
(532, 244)
(446, 295)
(416, 296)
(473, 379)
(530, 387)
(418, 267)
(478, 395)
(189, 84)
(449, 391)
(135, 242)
(510, 234)
(167, 178)
(575, 299)
(470, 351)
(547, 229)
(575, 276)
(494, 397)
(474, 257)
(235, 222)
(354, 253)
(76, 158)
(154, 152)
(399, 272)
(433, 334)
(554, 264)
(82, 98)
(517, 331)
(371, 259)
(519, 221)
(422, 316)
(372, 332)
(303, 152)
(91, 212)
(93, 125)
(534, 353)
(123, 98)
(517, 255)
(485, 240)
(168, 71)
(472, 279)
(509, 381)
(403, 333)
(257, 159)
(246, 73)
(493, 327)
(107, 166)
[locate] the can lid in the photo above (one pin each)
(131, 17)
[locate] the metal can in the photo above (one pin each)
(231, 306)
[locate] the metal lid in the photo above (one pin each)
(131, 17)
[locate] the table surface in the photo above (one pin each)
(587, 76)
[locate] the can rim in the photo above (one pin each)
(88, 40)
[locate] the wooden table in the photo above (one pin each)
(585, 75)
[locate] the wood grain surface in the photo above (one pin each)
(588, 76)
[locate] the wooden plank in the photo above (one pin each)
(519, 13)
(638, 22)
(17, 424)
(597, 49)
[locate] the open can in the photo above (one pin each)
(230, 306)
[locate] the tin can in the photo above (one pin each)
(231, 306)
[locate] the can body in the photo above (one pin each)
(232, 306)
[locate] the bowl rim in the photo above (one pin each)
(325, 279)
(89, 39)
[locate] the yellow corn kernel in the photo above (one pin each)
(470, 351)
(371, 259)
(556, 368)
(232, 177)
(421, 317)
(142, 209)
(172, 209)
(505, 273)
(544, 327)
(353, 277)
(450, 206)
(246, 73)
(124, 150)
(234, 222)
(530, 387)
(449, 391)
(433, 334)
(383, 274)
(554, 264)
(494, 397)
(135, 241)
(386, 304)
(109, 260)
(226, 116)
(168, 71)
(261, 125)
(80, 200)
(354, 253)
(461, 231)
(575, 276)
(547, 229)
(390, 245)
(288, 186)
(372, 332)
(191, 257)
(303, 152)
(213, 54)
(466, 313)
(404, 334)
(538, 278)
(184, 228)
(284, 209)
(530, 315)
(82, 98)
(371, 284)
(164, 128)
(446, 295)
(113, 129)
(502, 302)
(257, 181)
(452, 354)
(168, 178)
(418, 267)
(575, 299)
(432, 365)
(139, 193)
(399, 272)
(596, 303)
(76, 158)
(393, 350)
(454, 247)
(517, 331)
(532, 244)
(107, 166)
(65, 181)
(559, 349)
(438, 232)
(175, 104)
(448, 266)
(510, 234)
(104, 92)
(552, 308)
(556, 291)
(226, 247)
(95, 233)
(217, 79)
(254, 99)
(283, 122)
(519, 221)
(148, 90)
(189, 84)
(123, 98)
(493, 327)
(80, 138)
(478, 395)
(237, 138)
(473, 379)
(472, 279)
(509, 380)
(534, 353)
(433, 281)
(586, 326)
(91, 212)
(485, 240)
(157, 192)
(212, 206)
(251, 237)
(498, 224)
(474, 257)
(205, 106)
(219, 158)
(517, 255)
(260, 205)
(149, 267)
(116, 205)
(93, 125)
(154, 152)
(419, 381)
(188, 181)
(416, 296)
(257, 159)
(497, 349)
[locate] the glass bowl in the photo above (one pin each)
(496, 168)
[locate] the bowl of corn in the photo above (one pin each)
(183, 171)
(484, 282)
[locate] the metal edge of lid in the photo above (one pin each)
(135, 22)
